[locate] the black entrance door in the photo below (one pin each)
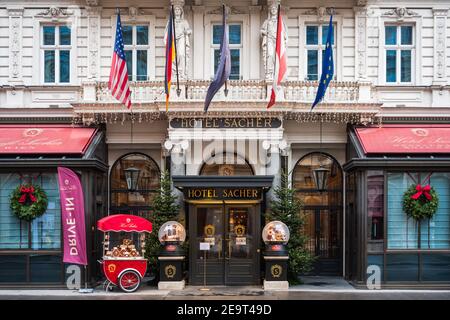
(232, 232)
(323, 231)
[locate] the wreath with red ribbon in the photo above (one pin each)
(420, 202)
(28, 202)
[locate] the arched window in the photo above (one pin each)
(322, 211)
(303, 180)
(226, 164)
(136, 201)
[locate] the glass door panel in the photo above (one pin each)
(239, 233)
(210, 229)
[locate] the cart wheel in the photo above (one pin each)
(129, 281)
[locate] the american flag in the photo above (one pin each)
(118, 77)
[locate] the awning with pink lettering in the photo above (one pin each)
(405, 139)
(45, 139)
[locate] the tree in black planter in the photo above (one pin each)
(164, 208)
(286, 208)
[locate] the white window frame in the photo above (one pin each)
(38, 67)
(57, 48)
(139, 20)
(398, 47)
(306, 20)
(416, 68)
(134, 47)
(320, 47)
(208, 53)
(232, 47)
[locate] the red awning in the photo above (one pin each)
(44, 139)
(124, 222)
(404, 139)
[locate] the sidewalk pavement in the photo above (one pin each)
(313, 288)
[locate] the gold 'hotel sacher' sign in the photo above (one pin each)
(226, 123)
(223, 193)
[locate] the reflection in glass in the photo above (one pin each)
(390, 35)
(313, 65)
(141, 65)
(405, 71)
(49, 66)
(127, 35)
(406, 34)
(391, 66)
(142, 35)
(64, 66)
(64, 35)
(312, 34)
(49, 35)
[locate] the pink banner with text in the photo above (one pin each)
(72, 217)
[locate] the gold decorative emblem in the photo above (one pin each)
(209, 230)
(111, 268)
(170, 271)
(239, 230)
(276, 270)
(226, 170)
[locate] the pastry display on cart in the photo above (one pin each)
(124, 265)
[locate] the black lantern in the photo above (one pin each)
(132, 177)
(321, 178)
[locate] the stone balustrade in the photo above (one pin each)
(236, 90)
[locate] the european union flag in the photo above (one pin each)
(327, 66)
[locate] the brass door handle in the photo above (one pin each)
(229, 249)
(219, 249)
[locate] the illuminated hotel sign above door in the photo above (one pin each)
(223, 193)
(226, 123)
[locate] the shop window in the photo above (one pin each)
(226, 164)
(45, 268)
(402, 267)
(43, 232)
(375, 204)
(435, 267)
(13, 268)
(403, 232)
(136, 201)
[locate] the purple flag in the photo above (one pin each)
(72, 217)
(224, 68)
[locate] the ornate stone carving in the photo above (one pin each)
(269, 35)
(400, 13)
(361, 34)
(55, 12)
(230, 10)
(15, 43)
(182, 33)
(93, 38)
(440, 16)
(92, 3)
(320, 12)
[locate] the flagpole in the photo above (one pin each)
(225, 91)
(176, 54)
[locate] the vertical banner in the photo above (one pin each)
(72, 217)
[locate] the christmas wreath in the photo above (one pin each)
(28, 202)
(420, 202)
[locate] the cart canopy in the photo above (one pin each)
(125, 223)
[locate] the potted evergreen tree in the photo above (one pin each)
(286, 208)
(164, 208)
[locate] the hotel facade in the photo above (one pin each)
(383, 126)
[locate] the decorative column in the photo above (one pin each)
(198, 41)
(93, 14)
(440, 79)
(361, 41)
(15, 45)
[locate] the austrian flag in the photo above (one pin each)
(280, 60)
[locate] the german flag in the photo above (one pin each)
(170, 57)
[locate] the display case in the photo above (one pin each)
(275, 232)
(172, 232)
